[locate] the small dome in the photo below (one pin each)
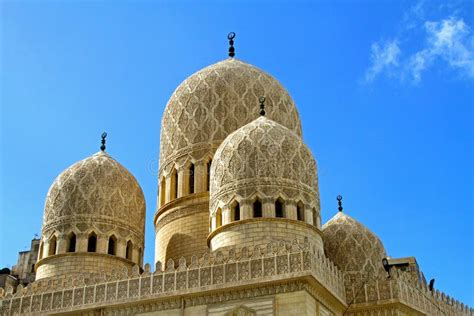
(265, 157)
(353, 248)
(217, 100)
(96, 190)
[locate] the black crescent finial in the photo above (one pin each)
(103, 136)
(231, 37)
(339, 203)
(262, 106)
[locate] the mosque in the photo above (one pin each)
(237, 223)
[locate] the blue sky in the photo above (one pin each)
(384, 90)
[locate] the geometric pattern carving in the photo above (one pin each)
(96, 188)
(266, 156)
(214, 102)
(355, 250)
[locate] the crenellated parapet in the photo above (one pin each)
(401, 288)
(278, 262)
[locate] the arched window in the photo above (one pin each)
(279, 212)
(208, 175)
(257, 208)
(218, 218)
(112, 248)
(92, 243)
(174, 184)
(191, 179)
(71, 244)
(236, 212)
(300, 211)
(162, 191)
(140, 257)
(128, 250)
(52, 246)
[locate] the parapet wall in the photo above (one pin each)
(401, 287)
(280, 261)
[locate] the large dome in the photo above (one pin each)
(263, 188)
(267, 157)
(97, 189)
(216, 101)
(353, 248)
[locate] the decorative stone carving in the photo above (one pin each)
(265, 159)
(354, 249)
(96, 187)
(216, 101)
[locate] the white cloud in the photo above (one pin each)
(448, 42)
(384, 57)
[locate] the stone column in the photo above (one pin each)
(81, 242)
(308, 215)
(161, 192)
(290, 210)
(200, 177)
(268, 207)
(121, 248)
(46, 248)
(246, 210)
(169, 184)
(183, 182)
(226, 215)
(135, 254)
(62, 244)
(102, 243)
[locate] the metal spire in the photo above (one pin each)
(262, 106)
(103, 136)
(339, 203)
(231, 37)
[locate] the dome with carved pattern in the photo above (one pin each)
(214, 102)
(267, 158)
(96, 190)
(353, 248)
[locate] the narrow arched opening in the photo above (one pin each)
(92, 242)
(279, 208)
(128, 250)
(236, 212)
(208, 175)
(174, 184)
(300, 211)
(316, 218)
(112, 246)
(191, 179)
(257, 208)
(71, 244)
(52, 246)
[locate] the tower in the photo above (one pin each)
(203, 110)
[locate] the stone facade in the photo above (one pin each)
(280, 279)
(24, 270)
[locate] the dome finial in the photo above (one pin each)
(231, 37)
(339, 203)
(262, 106)
(103, 136)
